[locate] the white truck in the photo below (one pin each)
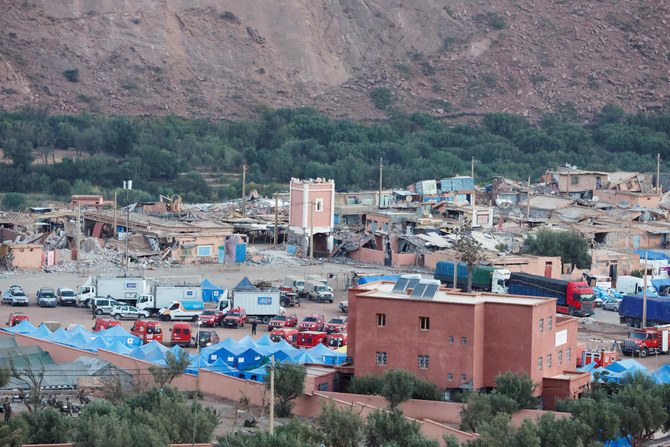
(318, 291)
(320, 279)
(125, 289)
(159, 294)
(294, 284)
(262, 304)
(182, 310)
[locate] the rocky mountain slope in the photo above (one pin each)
(224, 58)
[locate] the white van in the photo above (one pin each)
(632, 285)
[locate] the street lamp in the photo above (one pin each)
(127, 186)
(197, 383)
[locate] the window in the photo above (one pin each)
(381, 320)
(574, 180)
(548, 360)
(424, 323)
(381, 358)
(451, 340)
(560, 357)
(550, 321)
(541, 325)
(539, 363)
(463, 378)
(204, 250)
(464, 340)
(450, 376)
(318, 205)
(423, 362)
(567, 355)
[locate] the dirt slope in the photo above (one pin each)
(224, 57)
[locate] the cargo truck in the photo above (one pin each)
(159, 295)
(125, 289)
(573, 298)
(489, 279)
(648, 340)
(318, 291)
(320, 279)
(630, 310)
(262, 304)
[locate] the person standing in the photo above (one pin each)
(7, 408)
(254, 323)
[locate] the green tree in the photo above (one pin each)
(390, 428)
(370, 384)
(398, 386)
(641, 409)
(47, 426)
(30, 378)
(175, 365)
(520, 388)
(19, 151)
(477, 408)
(193, 187)
(468, 249)
(381, 97)
(570, 246)
(61, 187)
(601, 418)
(289, 384)
(340, 427)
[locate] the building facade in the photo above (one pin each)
(312, 199)
(458, 340)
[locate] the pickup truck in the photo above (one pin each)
(337, 324)
(283, 320)
(235, 317)
(313, 322)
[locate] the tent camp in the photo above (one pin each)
(211, 292)
(245, 284)
(24, 327)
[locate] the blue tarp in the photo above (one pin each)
(304, 357)
(662, 374)
(662, 286)
(326, 356)
(241, 253)
(368, 279)
(40, 332)
(652, 255)
(265, 341)
(120, 334)
(245, 284)
(56, 336)
(24, 327)
(80, 341)
(211, 292)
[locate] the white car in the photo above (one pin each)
(127, 312)
(612, 304)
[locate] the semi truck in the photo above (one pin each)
(125, 289)
(158, 295)
(648, 340)
(487, 278)
(573, 298)
(631, 306)
(259, 303)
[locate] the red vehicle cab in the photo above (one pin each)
(312, 322)
(104, 323)
(16, 317)
(337, 324)
(309, 339)
(211, 318)
(283, 320)
(336, 340)
(290, 334)
(181, 335)
(235, 317)
(147, 330)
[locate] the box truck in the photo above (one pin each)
(487, 278)
(125, 289)
(259, 303)
(159, 295)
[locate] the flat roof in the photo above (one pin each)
(383, 289)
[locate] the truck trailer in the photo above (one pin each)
(125, 289)
(158, 295)
(573, 298)
(259, 303)
(487, 278)
(630, 310)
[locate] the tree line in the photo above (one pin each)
(171, 154)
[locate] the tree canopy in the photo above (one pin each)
(570, 246)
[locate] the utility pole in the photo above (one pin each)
(272, 395)
(244, 193)
(127, 186)
(472, 168)
(276, 215)
(528, 202)
(644, 294)
(658, 173)
(381, 166)
(115, 227)
(78, 232)
(311, 233)
(568, 186)
(197, 386)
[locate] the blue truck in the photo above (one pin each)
(630, 310)
(487, 278)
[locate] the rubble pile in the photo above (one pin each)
(274, 257)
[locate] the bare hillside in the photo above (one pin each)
(224, 58)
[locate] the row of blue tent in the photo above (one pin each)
(619, 371)
(245, 359)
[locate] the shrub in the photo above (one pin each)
(381, 97)
(72, 74)
(14, 201)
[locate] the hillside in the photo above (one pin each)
(224, 58)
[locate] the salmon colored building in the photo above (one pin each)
(460, 340)
(312, 199)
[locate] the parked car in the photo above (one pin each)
(127, 312)
(46, 297)
(337, 324)
(313, 322)
(19, 298)
(344, 306)
(104, 305)
(612, 304)
(66, 297)
(181, 334)
(104, 323)
(283, 320)
(211, 318)
(207, 338)
(235, 318)
(7, 297)
(16, 318)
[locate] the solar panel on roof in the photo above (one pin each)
(412, 283)
(418, 291)
(400, 285)
(430, 291)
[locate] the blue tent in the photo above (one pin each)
(652, 255)
(40, 332)
(210, 292)
(326, 356)
(219, 366)
(265, 341)
(56, 336)
(80, 341)
(662, 374)
(245, 284)
(255, 374)
(120, 334)
(368, 279)
(250, 359)
(113, 345)
(224, 354)
(627, 366)
(78, 329)
(24, 327)
(150, 352)
(304, 357)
